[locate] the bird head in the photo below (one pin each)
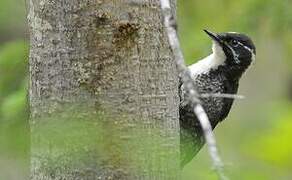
(238, 49)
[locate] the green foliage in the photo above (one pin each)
(273, 145)
(12, 17)
(14, 137)
(13, 63)
(13, 106)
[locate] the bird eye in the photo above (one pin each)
(234, 43)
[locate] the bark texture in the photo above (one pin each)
(103, 91)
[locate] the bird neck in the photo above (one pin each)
(211, 62)
(218, 62)
(234, 71)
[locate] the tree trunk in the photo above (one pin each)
(103, 91)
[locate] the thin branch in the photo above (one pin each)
(221, 95)
(211, 142)
(170, 24)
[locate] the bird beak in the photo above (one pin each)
(214, 36)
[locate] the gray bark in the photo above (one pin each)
(103, 91)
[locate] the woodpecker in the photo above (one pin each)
(218, 73)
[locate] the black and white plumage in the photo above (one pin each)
(219, 73)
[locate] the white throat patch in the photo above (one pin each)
(212, 61)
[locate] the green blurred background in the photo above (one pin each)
(254, 141)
